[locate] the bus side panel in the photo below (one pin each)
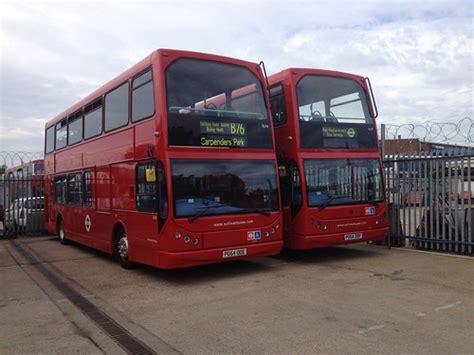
(123, 186)
(144, 139)
(68, 160)
(49, 213)
(101, 222)
(99, 225)
(114, 147)
(142, 233)
(141, 227)
(102, 180)
(74, 224)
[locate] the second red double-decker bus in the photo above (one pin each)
(167, 164)
(26, 180)
(329, 161)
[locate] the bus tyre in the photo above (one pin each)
(121, 249)
(61, 233)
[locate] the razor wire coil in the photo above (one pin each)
(11, 158)
(461, 132)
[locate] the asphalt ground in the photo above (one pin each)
(355, 299)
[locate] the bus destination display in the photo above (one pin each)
(223, 134)
(336, 132)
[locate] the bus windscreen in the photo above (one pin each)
(334, 113)
(218, 187)
(343, 181)
(212, 104)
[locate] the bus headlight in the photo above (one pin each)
(187, 239)
(195, 241)
(177, 235)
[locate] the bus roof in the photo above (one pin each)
(136, 69)
(301, 71)
(24, 165)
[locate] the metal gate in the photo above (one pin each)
(21, 205)
(431, 201)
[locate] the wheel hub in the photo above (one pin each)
(123, 247)
(61, 231)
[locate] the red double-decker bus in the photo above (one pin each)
(329, 160)
(166, 165)
(31, 168)
(26, 179)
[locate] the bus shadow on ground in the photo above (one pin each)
(238, 268)
(205, 273)
(263, 265)
(185, 276)
(325, 255)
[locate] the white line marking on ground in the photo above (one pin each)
(420, 314)
(447, 306)
(374, 327)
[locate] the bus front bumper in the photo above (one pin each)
(298, 241)
(175, 260)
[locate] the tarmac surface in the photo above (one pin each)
(353, 299)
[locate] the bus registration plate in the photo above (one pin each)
(353, 236)
(234, 252)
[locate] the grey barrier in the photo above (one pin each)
(21, 205)
(431, 201)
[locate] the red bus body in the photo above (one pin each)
(111, 161)
(26, 180)
(313, 226)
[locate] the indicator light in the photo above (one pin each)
(325, 226)
(187, 239)
(195, 241)
(267, 234)
(272, 230)
(177, 235)
(277, 226)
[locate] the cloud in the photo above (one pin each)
(419, 55)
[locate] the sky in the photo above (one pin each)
(419, 55)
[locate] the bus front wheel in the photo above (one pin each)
(121, 249)
(61, 233)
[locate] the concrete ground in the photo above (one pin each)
(355, 299)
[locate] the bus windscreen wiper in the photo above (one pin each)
(329, 200)
(201, 212)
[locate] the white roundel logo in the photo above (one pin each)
(87, 223)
